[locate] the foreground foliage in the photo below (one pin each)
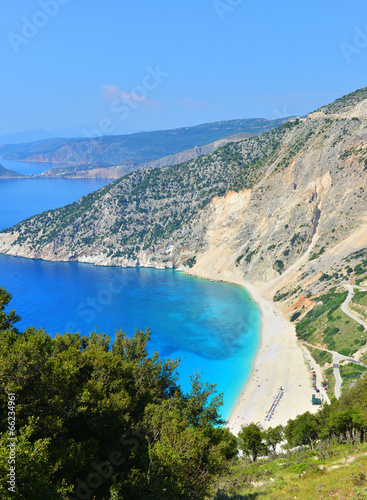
(101, 422)
(111, 422)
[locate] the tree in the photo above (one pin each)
(273, 436)
(303, 429)
(6, 320)
(341, 422)
(223, 438)
(251, 440)
(201, 405)
(182, 459)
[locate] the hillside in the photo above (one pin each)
(149, 208)
(285, 211)
(268, 195)
(130, 151)
(5, 173)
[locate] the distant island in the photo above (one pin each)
(5, 173)
(111, 157)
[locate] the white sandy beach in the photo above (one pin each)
(281, 360)
(280, 363)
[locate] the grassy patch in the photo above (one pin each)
(326, 324)
(363, 358)
(350, 373)
(360, 297)
(329, 375)
(358, 304)
(321, 357)
(303, 475)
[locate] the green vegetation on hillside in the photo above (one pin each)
(148, 206)
(358, 304)
(350, 373)
(330, 471)
(329, 375)
(327, 324)
(5, 172)
(321, 357)
(135, 149)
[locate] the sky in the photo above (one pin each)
(121, 66)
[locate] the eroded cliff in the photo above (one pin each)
(268, 208)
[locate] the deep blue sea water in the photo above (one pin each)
(214, 327)
(21, 198)
(24, 167)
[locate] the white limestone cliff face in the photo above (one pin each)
(309, 199)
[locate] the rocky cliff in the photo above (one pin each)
(276, 210)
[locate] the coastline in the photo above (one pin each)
(281, 362)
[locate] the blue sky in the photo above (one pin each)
(122, 66)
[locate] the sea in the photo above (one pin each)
(213, 327)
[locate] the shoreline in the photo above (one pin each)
(281, 369)
(280, 372)
(281, 362)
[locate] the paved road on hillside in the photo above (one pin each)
(336, 360)
(339, 357)
(345, 304)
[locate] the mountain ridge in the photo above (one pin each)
(268, 200)
(120, 170)
(131, 151)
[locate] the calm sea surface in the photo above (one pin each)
(214, 327)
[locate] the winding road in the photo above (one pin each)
(339, 357)
(345, 304)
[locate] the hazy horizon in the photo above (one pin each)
(124, 68)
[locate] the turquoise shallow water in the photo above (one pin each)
(214, 327)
